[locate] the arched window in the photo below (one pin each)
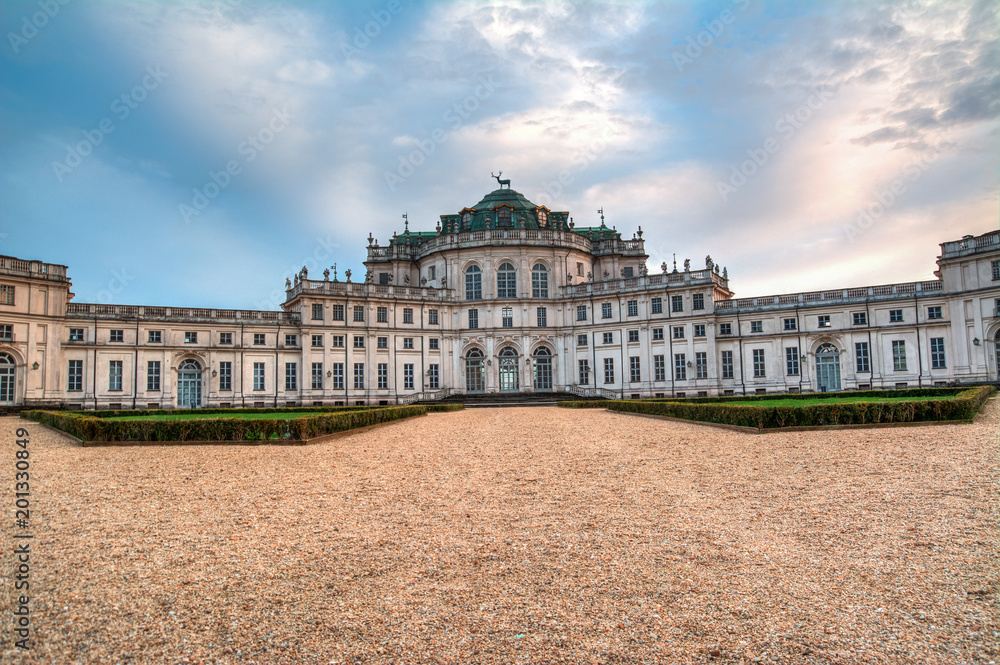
(475, 381)
(543, 218)
(466, 220)
(8, 374)
(189, 385)
(508, 370)
(473, 283)
(506, 281)
(539, 281)
(504, 218)
(542, 370)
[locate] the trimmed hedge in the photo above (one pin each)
(128, 413)
(444, 407)
(86, 427)
(963, 407)
(586, 404)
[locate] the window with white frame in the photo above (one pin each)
(823, 321)
(539, 281)
(225, 338)
(725, 329)
(698, 301)
(225, 375)
(680, 367)
(6, 294)
(608, 338)
(633, 335)
(605, 310)
(506, 281)
(317, 341)
(473, 318)
(677, 303)
(408, 376)
(382, 376)
(432, 343)
(259, 339)
(609, 370)
(338, 341)
(75, 376)
(337, 312)
(581, 340)
(6, 332)
(701, 365)
(359, 342)
(542, 317)
(317, 376)
(317, 312)
(756, 326)
(656, 305)
(862, 361)
(359, 313)
(934, 312)
(154, 336)
(507, 317)
(190, 338)
(359, 376)
(635, 373)
(792, 360)
(407, 315)
(583, 367)
(76, 334)
(657, 334)
(581, 312)
(153, 375)
(726, 365)
(937, 353)
(473, 283)
(678, 332)
(699, 330)
(382, 342)
(860, 318)
(338, 376)
(115, 375)
(291, 340)
(759, 369)
(381, 314)
(291, 376)
(633, 308)
(433, 377)
(899, 355)
(659, 368)
(791, 324)
(432, 317)
(407, 342)
(895, 316)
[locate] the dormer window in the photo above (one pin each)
(543, 217)
(466, 220)
(504, 218)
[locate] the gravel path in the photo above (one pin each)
(536, 535)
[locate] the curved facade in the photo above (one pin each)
(502, 297)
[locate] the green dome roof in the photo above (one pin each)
(508, 196)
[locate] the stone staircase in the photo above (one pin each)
(492, 400)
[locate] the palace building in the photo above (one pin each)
(504, 296)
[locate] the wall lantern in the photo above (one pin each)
(975, 342)
(329, 373)
(214, 373)
(34, 365)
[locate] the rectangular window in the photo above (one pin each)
(359, 342)
(791, 324)
(727, 364)
(381, 314)
(473, 318)
(433, 377)
(633, 308)
(6, 294)
(678, 332)
(701, 365)
(676, 303)
(382, 375)
(432, 343)
(609, 338)
(432, 273)
(862, 362)
(291, 376)
(605, 310)
(507, 315)
(581, 312)
(153, 375)
(432, 317)
(317, 312)
(473, 283)
(725, 329)
(628, 272)
(76, 334)
(581, 340)
(359, 376)
(542, 317)
(699, 330)
(823, 321)
(407, 315)
(633, 335)
(680, 367)
(6, 332)
(384, 278)
(407, 342)
(317, 376)
(899, 355)
(656, 305)
(937, 353)
(225, 375)
(317, 341)
(190, 338)
(758, 363)
(359, 313)
(756, 326)
(698, 301)
(408, 376)
(154, 336)
(338, 313)
(860, 318)
(579, 269)
(934, 312)
(659, 368)
(609, 370)
(259, 339)
(225, 338)
(584, 372)
(657, 334)
(382, 342)
(792, 361)
(338, 376)
(75, 375)
(338, 341)
(895, 316)
(115, 375)
(995, 265)
(291, 340)
(539, 282)
(634, 373)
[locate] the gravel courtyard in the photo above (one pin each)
(536, 535)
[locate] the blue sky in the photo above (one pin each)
(198, 153)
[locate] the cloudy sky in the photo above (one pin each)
(198, 153)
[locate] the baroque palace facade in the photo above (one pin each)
(504, 296)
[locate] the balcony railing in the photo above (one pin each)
(971, 245)
(191, 314)
(35, 269)
(840, 296)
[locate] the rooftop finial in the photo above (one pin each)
(600, 211)
(499, 181)
(406, 223)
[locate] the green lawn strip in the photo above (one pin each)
(206, 416)
(843, 400)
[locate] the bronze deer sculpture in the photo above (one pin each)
(499, 181)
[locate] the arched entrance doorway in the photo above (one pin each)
(8, 376)
(474, 376)
(827, 368)
(508, 371)
(189, 385)
(996, 352)
(543, 370)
